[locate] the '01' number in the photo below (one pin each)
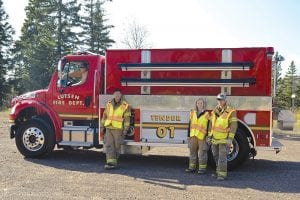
(162, 131)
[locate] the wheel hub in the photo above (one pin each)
(233, 150)
(33, 139)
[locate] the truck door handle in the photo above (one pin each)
(87, 101)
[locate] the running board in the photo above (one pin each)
(214, 66)
(189, 82)
(76, 144)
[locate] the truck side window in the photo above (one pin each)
(73, 74)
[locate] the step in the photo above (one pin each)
(76, 144)
(76, 128)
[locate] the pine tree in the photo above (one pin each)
(37, 45)
(276, 76)
(67, 20)
(287, 87)
(6, 32)
(47, 34)
(95, 34)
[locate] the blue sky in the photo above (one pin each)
(203, 23)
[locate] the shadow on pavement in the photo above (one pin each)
(168, 171)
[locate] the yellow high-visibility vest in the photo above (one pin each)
(220, 125)
(198, 126)
(115, 117)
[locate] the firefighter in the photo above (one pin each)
(82, 73)
(199, 119)
(115, 122)
(222, 130)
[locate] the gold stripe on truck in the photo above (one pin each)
(257, 128)
(78, 116)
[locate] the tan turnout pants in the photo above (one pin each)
(220, 155)
(198, 152)
(113, 139)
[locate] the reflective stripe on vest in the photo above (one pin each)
(198, 126)
(220, 125)
(115, 116)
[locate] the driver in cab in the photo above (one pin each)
(82, 74)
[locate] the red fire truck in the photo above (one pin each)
(162, 86)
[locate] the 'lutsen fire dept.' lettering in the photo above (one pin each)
(68, 99)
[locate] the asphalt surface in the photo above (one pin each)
(157, 175)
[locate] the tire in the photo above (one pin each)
(239, 151)
(35, 138)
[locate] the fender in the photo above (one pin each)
(40, 109)
(250, 131)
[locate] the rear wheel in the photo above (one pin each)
(238, 153)
(35, 138)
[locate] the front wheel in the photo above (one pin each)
(35, 138)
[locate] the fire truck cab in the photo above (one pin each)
(161, 85)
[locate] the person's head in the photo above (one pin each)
(200, 104)
(117, 95)
(221, 98)
(84, 67)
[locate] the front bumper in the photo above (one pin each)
(12, 131)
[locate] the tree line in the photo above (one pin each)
(286, 89)
(54, 28)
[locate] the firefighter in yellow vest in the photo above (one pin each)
(199, 119)
(116, 121)
(222, 130)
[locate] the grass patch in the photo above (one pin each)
(4, 114)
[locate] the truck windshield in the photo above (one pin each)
(72, 73)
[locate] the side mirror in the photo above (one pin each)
(61, 83)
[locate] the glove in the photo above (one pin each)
(229, 142)
(208, 140)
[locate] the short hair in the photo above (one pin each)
(85, 65)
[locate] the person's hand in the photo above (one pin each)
(229, 142)
(208, 140)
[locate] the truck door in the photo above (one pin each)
(73, 98)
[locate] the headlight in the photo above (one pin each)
(28, 95)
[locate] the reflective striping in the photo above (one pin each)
(256, 128)
(183, 126)
(78, 116)
(180, 126)
(11, 121)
